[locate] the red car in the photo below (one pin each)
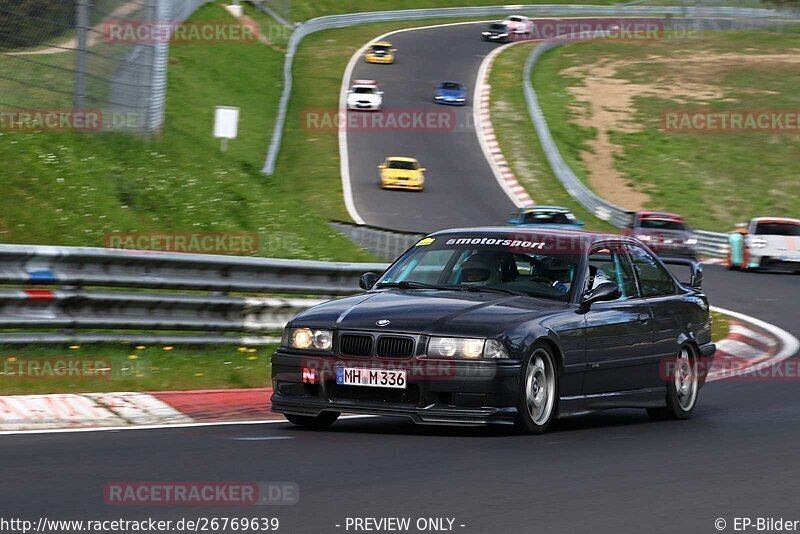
(665, 233)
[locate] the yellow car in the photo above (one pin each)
(402, 173)
(381, 53)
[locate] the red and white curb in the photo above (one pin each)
(486, 134)
(751, 346)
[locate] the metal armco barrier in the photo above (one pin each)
(384, 243)
(353, 19)
(61, 295)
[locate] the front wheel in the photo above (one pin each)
(538, 393)
(319, 422)
(682, 388)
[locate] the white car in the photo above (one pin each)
(519, 24)
(766, 243)
(364, 95)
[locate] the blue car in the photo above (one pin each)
(554, 217)
(451, 93)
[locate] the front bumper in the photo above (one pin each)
(437, 392)
(450, 102)
(497, 38)
(778, 263)
(385, 60)
(363, 107)
(413, 185)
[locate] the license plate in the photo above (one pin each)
(377, 378)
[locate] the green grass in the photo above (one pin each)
(517, 136)
(716, 180)
(720, 326)
(133, 369)
(69, 188)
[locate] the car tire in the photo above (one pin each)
(683, 387)
(319, 422)
(537, 403)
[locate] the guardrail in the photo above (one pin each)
(354, 19)
(66, 298)
(384, 243)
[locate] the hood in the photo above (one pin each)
(451, 93)
(402, 173)
(675, 235)
(355, 97)
(428, 312)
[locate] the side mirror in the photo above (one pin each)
(422, 169)
(367, 280)
(394, 50)
(741, 225)
(606, 291)
(694, 275)
(580, 223)
(381, 166)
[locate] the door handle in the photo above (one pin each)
(643, 318)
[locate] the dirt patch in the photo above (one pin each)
(608, 105)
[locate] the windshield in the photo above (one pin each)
(507, 263)
(497, 27)
(451, 86)
(548, 217)
(662, 224)
(403, 165)
(364, 90)
(775, 228)
(380, 48)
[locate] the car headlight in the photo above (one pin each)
(758, 243)
(306, 338)
(691, 241)
(643, 237)
(486, 33)
(467, 348)
(460, 99)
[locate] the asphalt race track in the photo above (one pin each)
(460, 189)
(609, 472)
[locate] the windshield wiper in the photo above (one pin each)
(489, 289)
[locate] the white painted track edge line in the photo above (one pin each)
(160, 426)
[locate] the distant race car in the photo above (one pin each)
(364, 95)
(665, 233)
(546, 217)
(402, 173)
(381, 52)
(451, 93)
(766, 243)
(519, 24)
(497, 31)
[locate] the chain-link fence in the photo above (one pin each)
(84, 63)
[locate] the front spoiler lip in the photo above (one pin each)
(429, 415)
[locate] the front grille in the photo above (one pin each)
(410, 395)
(355, 345)
(395, 347)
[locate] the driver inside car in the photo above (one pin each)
(482, 269)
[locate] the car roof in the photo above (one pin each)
(776, 220)
(364, 82)
(382, 43)
(400, 158)
(658, 215)
(584, 238)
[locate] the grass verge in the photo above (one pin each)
(35, 369)
(714, 179)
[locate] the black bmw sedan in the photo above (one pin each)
(497, 325)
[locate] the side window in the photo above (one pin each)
(654, 279)
(611, 264)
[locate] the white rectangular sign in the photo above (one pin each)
(226, 122)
